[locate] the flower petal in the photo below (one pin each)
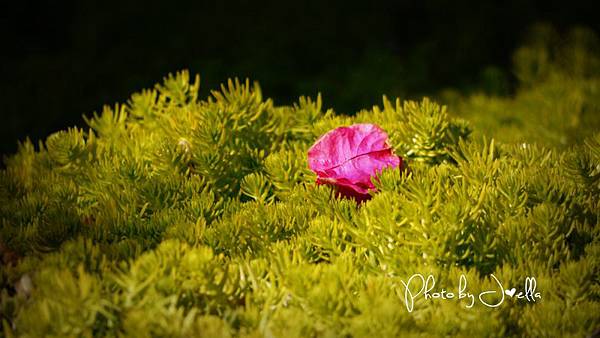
(349, 157)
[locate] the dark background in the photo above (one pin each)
(62, 59)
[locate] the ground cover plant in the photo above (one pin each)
(175, 215)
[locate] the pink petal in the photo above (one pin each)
(348, 157)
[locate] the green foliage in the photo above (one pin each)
(558, 102)
(426, 134)
(175, 216)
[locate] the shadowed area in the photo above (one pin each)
(62, 60)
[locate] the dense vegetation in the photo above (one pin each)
(173, 215)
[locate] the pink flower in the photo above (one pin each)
(349, 157)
